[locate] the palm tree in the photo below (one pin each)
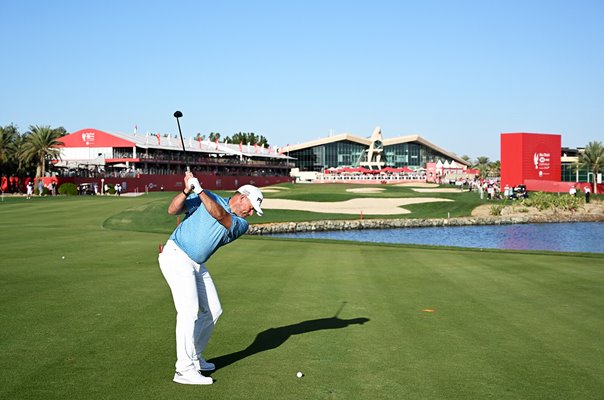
(214, 136)
(41, 142)
(592, 158)
(482, 165)
(494, 168)
(8, 135)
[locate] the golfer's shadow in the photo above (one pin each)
(275, 337)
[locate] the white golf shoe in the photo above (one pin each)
(192, 377)
(203, 365)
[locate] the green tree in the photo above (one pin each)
(41, 144)
(61, 131)
(494, 168)
(248, 137)
(482, 165)
(214, 136)
(8, 136)
(592, 158)
(18, 155)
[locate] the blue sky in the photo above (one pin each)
(457, 73)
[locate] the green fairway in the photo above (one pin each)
(151, 216)
(438, 323)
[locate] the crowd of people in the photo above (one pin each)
(491, 189)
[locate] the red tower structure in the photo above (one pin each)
(531, 159)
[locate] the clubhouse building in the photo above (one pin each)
(373, 153)
(404, 157)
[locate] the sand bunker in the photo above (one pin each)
(354, 206)
(365, 190)
(273, 189)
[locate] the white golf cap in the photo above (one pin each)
(254, 195)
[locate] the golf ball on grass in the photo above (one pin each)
(299, 374)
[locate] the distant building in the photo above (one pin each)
(374, 153)
(570, 165)
(152, 161)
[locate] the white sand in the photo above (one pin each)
(354, 206)
(273, 189)
(365, 190)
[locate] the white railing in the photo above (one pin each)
(371, 179)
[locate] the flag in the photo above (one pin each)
(241, 147)
(256, 148)
(158, 138)
(216, 143)
(199, 139)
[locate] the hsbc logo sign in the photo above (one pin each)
(88, 138)
(542, 162)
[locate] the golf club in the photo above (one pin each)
(340, 309)
(177, 115)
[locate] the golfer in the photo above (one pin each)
(210, 223)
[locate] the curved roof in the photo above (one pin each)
(367, 142)
(95, 138)
(327, 140)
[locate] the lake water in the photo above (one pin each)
(565, 237)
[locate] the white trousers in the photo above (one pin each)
(196, 302)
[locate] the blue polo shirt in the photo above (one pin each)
(200, 234)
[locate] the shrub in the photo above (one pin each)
(569, 203)
(496, 209)
(45, 191)
(68, 189)
(543, 201)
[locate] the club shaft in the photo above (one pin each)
(182, 142)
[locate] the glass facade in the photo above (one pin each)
(569, 173)
(413, 155)
(348, 154)
(337, 154)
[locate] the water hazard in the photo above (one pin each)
(564, 237)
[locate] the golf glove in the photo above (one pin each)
(195, 185)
